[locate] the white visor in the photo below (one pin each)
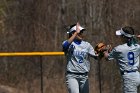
(74, 29)
(118, 32)
(121, 32)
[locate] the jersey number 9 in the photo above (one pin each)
(130, 57)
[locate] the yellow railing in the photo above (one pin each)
(4, 54)
(31, 53)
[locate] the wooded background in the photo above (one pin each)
(40, 25)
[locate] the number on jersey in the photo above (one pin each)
(130, 57)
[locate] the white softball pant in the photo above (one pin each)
(131, 82)
(77, 83)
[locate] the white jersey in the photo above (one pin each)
(78, 57)
(126, 56)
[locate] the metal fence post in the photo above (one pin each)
(41, 74)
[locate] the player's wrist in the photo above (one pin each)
(76, 33)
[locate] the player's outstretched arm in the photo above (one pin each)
(67, 43)
(70, 40)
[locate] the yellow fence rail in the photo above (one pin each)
(4, 54)
(31, 53)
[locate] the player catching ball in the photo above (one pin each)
(127, 56)
(77, 52)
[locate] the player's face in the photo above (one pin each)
(123, 39)
(80, 35)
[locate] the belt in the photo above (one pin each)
(68, 72)
(122, 72)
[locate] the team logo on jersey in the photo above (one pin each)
(79, 55)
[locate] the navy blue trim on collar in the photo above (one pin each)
(78, 42)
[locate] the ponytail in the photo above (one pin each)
(132, 41)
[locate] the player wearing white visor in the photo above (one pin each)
(73, 29)
(121, 32)
(77, 52)
(127, 56)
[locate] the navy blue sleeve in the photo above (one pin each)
(65, 45)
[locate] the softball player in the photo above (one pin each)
(127, 56)
(77, 53)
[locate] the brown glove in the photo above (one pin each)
(100, 48)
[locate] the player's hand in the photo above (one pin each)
(138, 36)
(109, 48)
(77, 27)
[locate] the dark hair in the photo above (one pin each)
(128, 30)
(72, 25)
(130, 40)
(70, 34)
